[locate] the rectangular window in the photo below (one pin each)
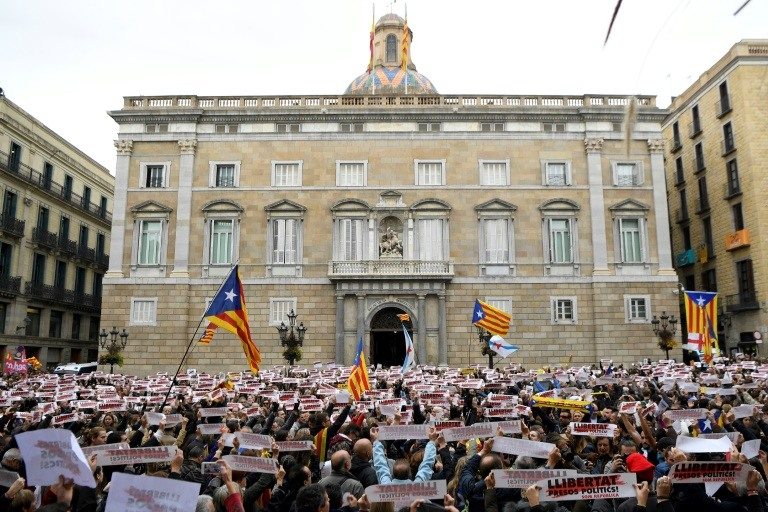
(103, 207)
(154, 176)
(683, 205)
(150, 242)
(67, 192)
(679, 174)
(430, 173)
(491, 127)
(738, 217)
(560, 241)
(77, 320)
(703, 194)
(284, 241)
(733, 178)
(60, 275)
(80, 280)
(288, 128)
(706, 227)
(696, 121)
(494, 173)
(628, 174)
(675, 135)
(725, 100)
(156, 128)
(429, 127)
(86, 197)
(553, 127)
(709, 280)
(225, 175)
(43, 216)
(100, 241)
(221, 241)
(351, 127)
(143, 311)
(686, 231)
(502, 304)
(351, 239)
(563, 310)
(746, 281)
(636, 308)
(690, 282)
(10, 201)
(279, 309)
(557, 174)
(699, 155)
(351, 174)
(98, 279)
(82, 240)
(3, 315)
(6, 253)
(38, 269)
(47, 175)
(631, 238)
(54, 324)
(430, 234)
(286, 174)
(729, 143)
(496, 239)
(226, 128)
(14, 157)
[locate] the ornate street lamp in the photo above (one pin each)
(664, 328)
(114, 347)
(292, 338)
(484, 337)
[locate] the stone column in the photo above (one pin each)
(663, 248)
(184, 208)
(360, 317)
(421, 340)
(594, 148)
(442, 342)
(340, 353)
(117, 234)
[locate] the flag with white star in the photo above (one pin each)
(701, 320)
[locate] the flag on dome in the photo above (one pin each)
(370, 43)
(358, 379)
(405, 46)
(493, 320)
(501, 347)
(227, 310)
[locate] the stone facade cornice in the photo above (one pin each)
(593, 145)
(187, 146)
(124, 147)
(656, 145)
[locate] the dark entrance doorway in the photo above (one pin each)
(387, 338)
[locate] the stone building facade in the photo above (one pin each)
(352, 209)
(716, 146)
(54, 241)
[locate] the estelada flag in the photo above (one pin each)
(358, 379)
(227, 310)
(492, 319)
(701, 319)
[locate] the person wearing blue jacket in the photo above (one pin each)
(401, 472)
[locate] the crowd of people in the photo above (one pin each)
(639, 420)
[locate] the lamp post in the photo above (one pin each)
(292, 337)
(664, 328)
(109, 341)
(484, 337)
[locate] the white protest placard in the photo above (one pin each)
(699, 445)
(527, 447)
(732, 436)
(112, 406)
(476, 430)
(750, 448)
(251, 464)
(686, 414)
(210, 428)
(207, 412)
(592, 429)
(254, 441)
(396, 432)
(697, 472)
(64, 418)
(154, 418)
(342, 397)
(295, 446)
(134, 493)
(510, 426)
(406, 493)
(135, 455)
(502, 412)
(442, 425)
(580, 488)
(173, 419)
(311, 406)
(7, 478)
(523, 478)
(391, 406)
(628, 408)
(89, 450)
(49, 453)
(742, 411)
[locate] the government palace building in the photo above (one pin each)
(390, 198)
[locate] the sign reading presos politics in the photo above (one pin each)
(697, 472)
(251, 464)
(89, 450)
(614, 485)
(593, 429)
(136, 455)
(476, 430)
(51, 452)
(407, 492)
(523, 478)
(396, 432)
(526, 447)
(132, 493)
(207, 412)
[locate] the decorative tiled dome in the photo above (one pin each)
(390, 80)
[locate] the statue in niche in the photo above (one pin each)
(390, 245)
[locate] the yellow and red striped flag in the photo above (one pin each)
(358, 379)
(404, 317)
(207, 336)
(701, 320)
(405, 47)
(493, 320)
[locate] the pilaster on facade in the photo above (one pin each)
(184, 207)
(339, 352)
(594, 150)
(124, 149)
(664, 248)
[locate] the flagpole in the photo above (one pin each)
(192, 339)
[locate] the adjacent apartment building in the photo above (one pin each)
(715, 152)
(390, 198)
(54, 241)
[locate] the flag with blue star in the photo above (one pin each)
(701, 321)
(227, 310)
(493, 320)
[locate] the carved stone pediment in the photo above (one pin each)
(222, 205)
(431, 204)
(285, 205)
(151, 207)
(350, 206)
(496, 205)
(559, 204)
(629, 205)
(390, 199)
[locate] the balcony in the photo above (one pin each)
(731, 190)
(66, 246)
(698, 165)
(694, 129)
(53, 189)
(704, 253)
(727, 146)
(387, 269)
(737, 240)
(44, 238)
(702, 205)
(681, 215)
(685, 258)
(722, 107)
(102, 260)
(61, 296)
(12, 226)
(745, 301)
(86, 254)
(675, 145)
(10, 286)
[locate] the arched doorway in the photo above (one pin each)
(387, 338)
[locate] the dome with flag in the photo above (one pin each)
(391, 80)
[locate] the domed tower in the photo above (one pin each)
(388, 76)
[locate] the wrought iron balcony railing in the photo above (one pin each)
(12, 226)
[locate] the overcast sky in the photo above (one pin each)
(67, 62)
